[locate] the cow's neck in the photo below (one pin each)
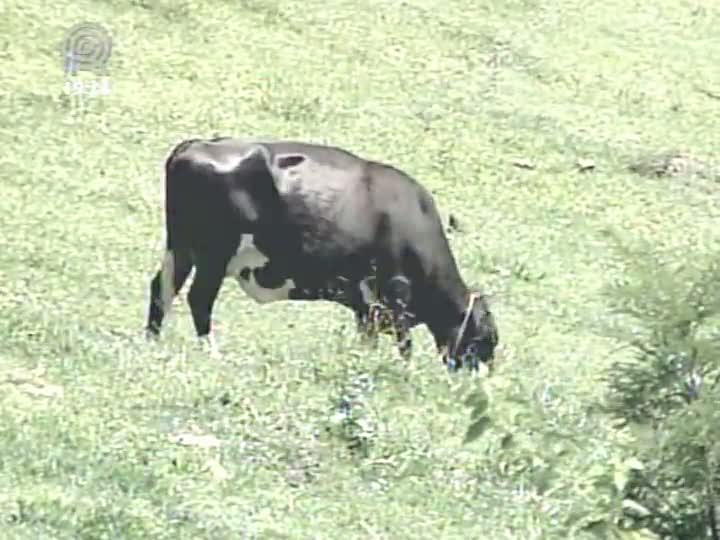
(443, 314)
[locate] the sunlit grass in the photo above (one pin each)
(490, 105)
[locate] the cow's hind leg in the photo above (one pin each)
(168, 281)
(398, 294)
(209, 275)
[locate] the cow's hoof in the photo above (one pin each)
(151, 335)
(209, 346)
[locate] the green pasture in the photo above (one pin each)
(522, 116)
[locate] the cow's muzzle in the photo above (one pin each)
(475, 343)
(477, 353)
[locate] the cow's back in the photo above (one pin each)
(360, 205)
(335, 203)
(326, 200)
(332, 157)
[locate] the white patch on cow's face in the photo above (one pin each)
(248, 256)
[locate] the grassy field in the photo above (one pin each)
(495, 106)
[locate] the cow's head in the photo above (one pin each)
(474, 339)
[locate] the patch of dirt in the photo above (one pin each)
(194, 437)
(32, 383)
(216, 470)
(302, 468)
(674, 164)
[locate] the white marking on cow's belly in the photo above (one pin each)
(248, 256)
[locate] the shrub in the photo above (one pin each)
(666, 390)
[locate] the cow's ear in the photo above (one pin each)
(479, 291)
(482, 296)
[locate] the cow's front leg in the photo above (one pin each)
(203, 293)
(362, 301)
(398, 294)
(366, 325)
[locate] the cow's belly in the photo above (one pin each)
(248, 258)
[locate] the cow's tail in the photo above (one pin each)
(176, 234)
(177, 260)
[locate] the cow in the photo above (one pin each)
(302, 221)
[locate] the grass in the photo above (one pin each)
(93, 419)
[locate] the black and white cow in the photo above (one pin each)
(298, 221)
